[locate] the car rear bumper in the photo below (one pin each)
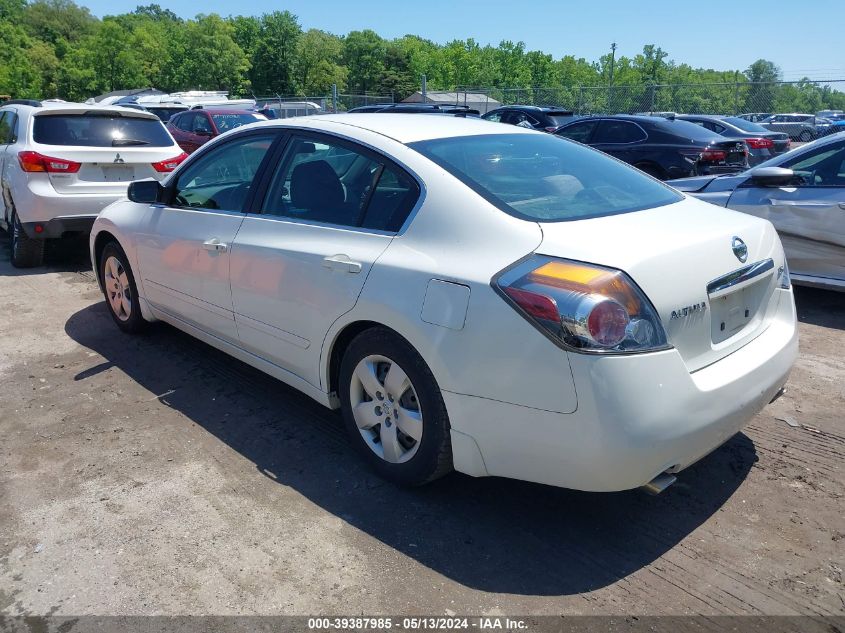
(39, 203)
(638, 416)
(59, 226)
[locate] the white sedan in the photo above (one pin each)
(479, 297)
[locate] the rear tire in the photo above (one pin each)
(382, 423)
(119, 289)
(805, 136)
(25, 252)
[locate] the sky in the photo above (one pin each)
(718, 34)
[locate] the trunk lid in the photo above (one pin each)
(681, 256)
(107, 171)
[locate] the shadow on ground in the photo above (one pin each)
(66, 255)
(825, 308)
(489, 534)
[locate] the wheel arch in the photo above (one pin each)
(340, 343)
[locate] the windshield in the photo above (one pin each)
(745, 126)
(99, 130)
(545, 178)
(226, 122)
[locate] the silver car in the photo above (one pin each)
(800, 127)
(802, 193)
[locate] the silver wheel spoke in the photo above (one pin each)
(366, 373)
(390, 443)
(396, 382)
(410, 423)
(124, 281)
(365, 415)
(125, 305)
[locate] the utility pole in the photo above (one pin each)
(610, 88)
(424, 89)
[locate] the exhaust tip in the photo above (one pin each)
(659, 483)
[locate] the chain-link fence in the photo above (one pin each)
(286, 106)
(712, 98)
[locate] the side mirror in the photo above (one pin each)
(772, 176)
(145, 191)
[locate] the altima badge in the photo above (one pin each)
(739, 249)
(688, 310)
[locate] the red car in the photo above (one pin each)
(194, 128)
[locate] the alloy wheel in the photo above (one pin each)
(118, 290)
(386, 409)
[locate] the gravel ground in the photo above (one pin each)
(154, 475)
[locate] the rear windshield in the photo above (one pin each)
(745, 126)
(546, 178)
(99, 130)
(685, 129)
(226, 122)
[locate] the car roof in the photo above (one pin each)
(213, 110)
(405, 128)
(535, 108)
(68, 107)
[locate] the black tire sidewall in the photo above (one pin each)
(135, 323)
(24, 252)
(433, 457)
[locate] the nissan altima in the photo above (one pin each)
(488, 299)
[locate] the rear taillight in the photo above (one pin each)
(170, 164)
(759, 143)
(582, 306)
(33, 162)
(713, 155)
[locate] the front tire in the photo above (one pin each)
(25, 252)
(119, 289)
(393, 409)
(805, 136)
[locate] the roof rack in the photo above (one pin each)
(28, 102)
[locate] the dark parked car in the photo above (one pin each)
(417, 108)
(762, 144)
(546, 118)
(663, 148)
(164, 112)
(194, 128)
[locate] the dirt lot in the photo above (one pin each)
(154, 475)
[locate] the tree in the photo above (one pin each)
(363, 54)
(155, 12)
(275, 54)
(57, 20)
(213, 61)
(761, 93)
(318, 63)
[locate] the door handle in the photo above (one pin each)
(342, 262)
(215, 245)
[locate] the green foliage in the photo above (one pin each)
(56, 48)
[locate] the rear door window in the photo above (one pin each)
(5, 128)
(99, 130)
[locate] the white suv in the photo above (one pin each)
(62, 163)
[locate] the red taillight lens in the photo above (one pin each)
(33, 162)
(582, 306)
(537, 305)
(759, 143)
(607, 323)
(170, 164)
(713, 154)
